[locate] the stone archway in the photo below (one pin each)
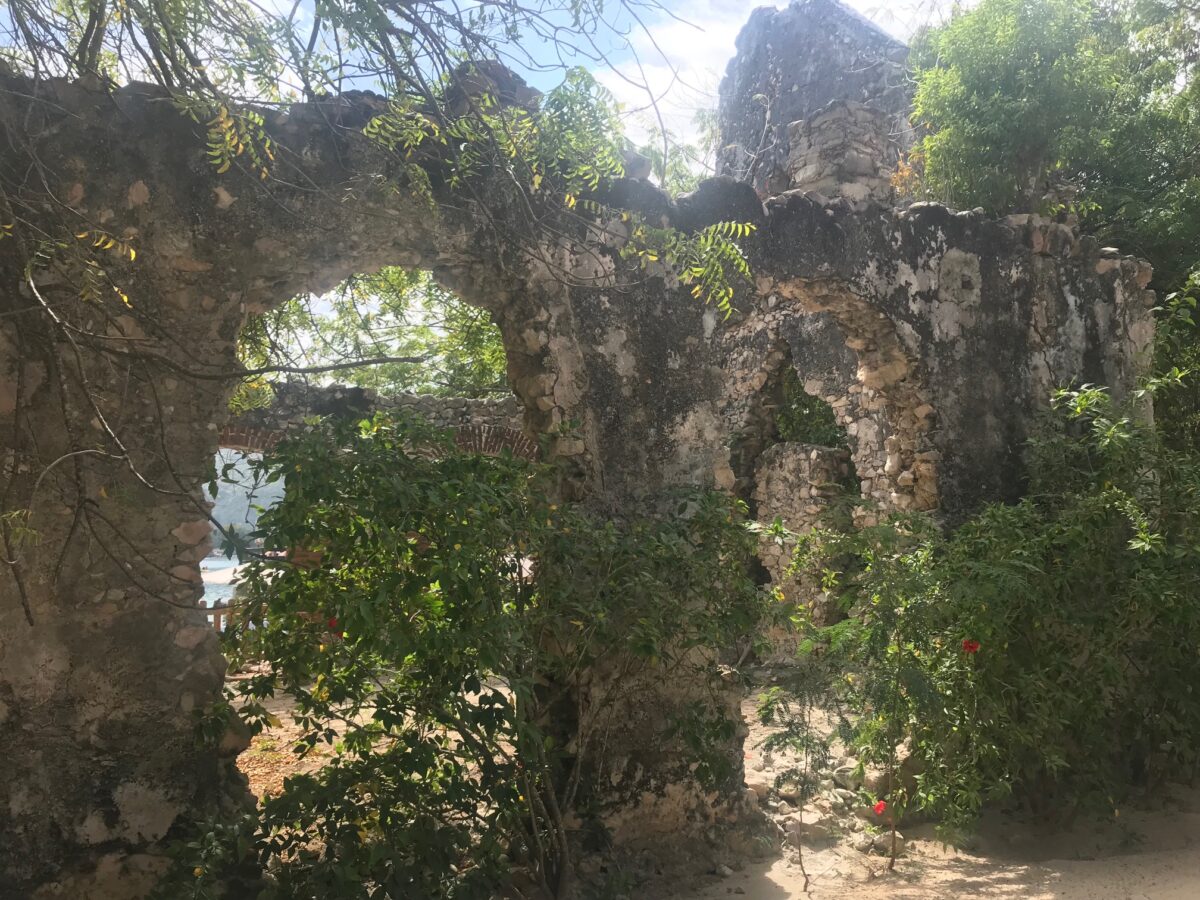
(106, 661)
(105, 658)
(848, 355)
(882, 401)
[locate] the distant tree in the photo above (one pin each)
(452, 348)
(679, 166)
(1016, 97)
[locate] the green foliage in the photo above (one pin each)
(438, 613)
(1007, 92)
(453, 349)
(1043, 653)
(240, 133)
(806, 419)
(710, 261)
(677, 166)
(1017, 96)
(1177, 409)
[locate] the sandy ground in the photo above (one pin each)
(1147, 854)
(1165, 865)
(224, 575)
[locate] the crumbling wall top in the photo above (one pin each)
(790, 64)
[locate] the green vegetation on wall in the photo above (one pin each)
(804, 419)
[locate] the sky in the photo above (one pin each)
(685, 49)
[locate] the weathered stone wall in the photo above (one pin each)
(961, 327)
(796, 484)
(117, 408)
(845, 150)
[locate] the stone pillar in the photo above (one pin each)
(106, 663)
(792, 63)
(115, 373)
(845, 150)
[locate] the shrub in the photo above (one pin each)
(437, 631)
(1045, 653)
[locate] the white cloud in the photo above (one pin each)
(683, 53)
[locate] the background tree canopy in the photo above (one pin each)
(1019, 96)
(454, 348)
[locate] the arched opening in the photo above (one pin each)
(876, 390)
(393, 341)
(830, 428)
(804, 479)
(803, 418)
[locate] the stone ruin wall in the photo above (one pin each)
(935, 335)
(796, 484)
(781, 76)
(939, 349)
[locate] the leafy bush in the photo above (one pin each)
(436, 623)
(1044, 653)
(804, 418)
(1177, 346)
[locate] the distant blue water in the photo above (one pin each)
(235, 507)
(216, 593)
(238, 494)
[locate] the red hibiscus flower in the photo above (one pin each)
(880, 807)
(970, 646)
(332, 623)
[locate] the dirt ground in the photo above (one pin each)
(1146, 854)
(1163, 863)
(269, 758)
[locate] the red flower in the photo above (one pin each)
(970, 646)
(880, 807)
(332, 623)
